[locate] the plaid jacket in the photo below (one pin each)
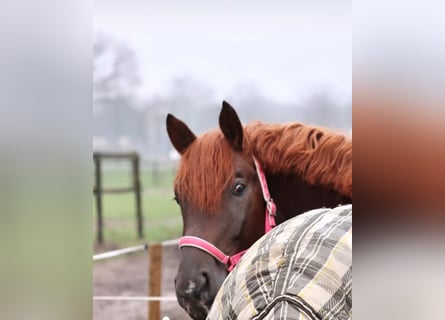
(300, 270)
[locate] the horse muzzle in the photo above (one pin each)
(198, 279)
(194, 294)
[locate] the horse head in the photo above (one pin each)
(220, 196)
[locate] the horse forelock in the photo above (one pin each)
(205, 171)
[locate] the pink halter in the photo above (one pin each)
(231, 261)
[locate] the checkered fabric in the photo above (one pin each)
(302, 269)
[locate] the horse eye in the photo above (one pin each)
(239, 189)
(176, 199)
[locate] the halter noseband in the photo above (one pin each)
(231, 261)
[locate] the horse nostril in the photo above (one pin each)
(205, 276)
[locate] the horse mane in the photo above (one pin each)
(317, 155)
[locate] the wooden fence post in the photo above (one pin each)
(154, 280)
(137, 190)
(98, 190)
(98, 194)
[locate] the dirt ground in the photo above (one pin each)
(127, 275)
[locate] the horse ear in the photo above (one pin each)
(180, 135)
(231, 126)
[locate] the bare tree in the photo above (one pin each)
(115, 79)
(115, 71)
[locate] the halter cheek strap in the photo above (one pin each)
(271, 208)
(231, 261)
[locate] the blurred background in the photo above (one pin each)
(281, 62)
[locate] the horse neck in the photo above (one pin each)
(322, 158)
(294, 196)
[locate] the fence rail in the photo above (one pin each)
(141, 247)
(154, 297)
(116, 253)
(133, 298)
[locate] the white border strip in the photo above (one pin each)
(129, 298)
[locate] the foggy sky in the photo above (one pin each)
(286, 49)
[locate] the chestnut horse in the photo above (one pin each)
(223, 185)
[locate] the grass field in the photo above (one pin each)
(162, 218)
